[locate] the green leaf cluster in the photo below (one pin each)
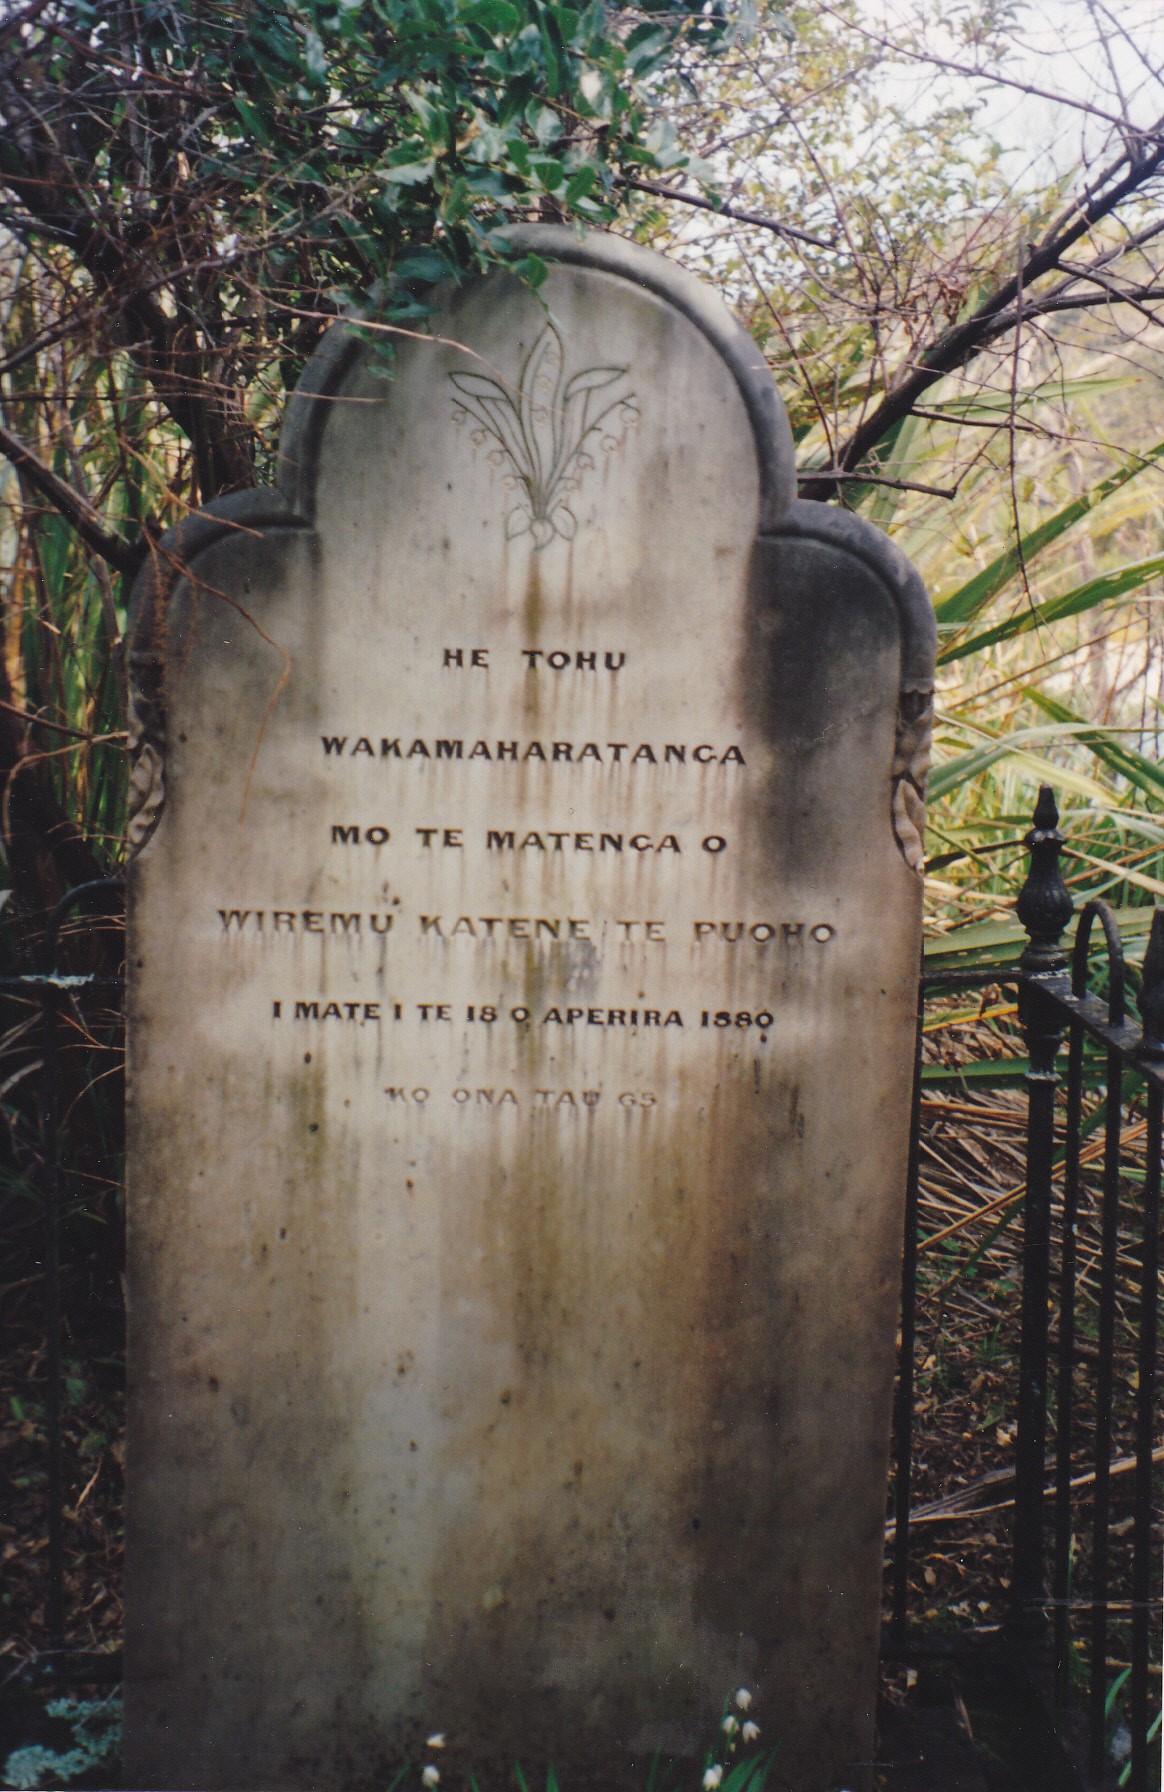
(336, 149)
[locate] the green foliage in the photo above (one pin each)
(95, 1725)
(1046, 647)
(191, 195)
(958, 607)
(1025, 482)
(352, 150)
(62, 617)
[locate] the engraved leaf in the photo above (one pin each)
(541, 381)
(499, 418)
(592, 379)
(479, 385)
(547, 428)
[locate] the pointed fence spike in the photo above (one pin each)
(1044, 904)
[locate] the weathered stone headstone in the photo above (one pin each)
(525, 926)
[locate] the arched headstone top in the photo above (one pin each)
(828, 537)
(603, 254)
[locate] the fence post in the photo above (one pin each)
(1044, 907)
(1143, 1587)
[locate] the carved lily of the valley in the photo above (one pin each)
(547, 431)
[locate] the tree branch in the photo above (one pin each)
(837, 479)
(164, 347)
(125, 557)
(722, 210)
(993, 317)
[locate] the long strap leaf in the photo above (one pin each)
(1111, 752)
(950, 774)
(1070, 603)
(963, 605)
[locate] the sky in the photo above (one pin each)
(1102, 54)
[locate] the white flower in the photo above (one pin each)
(730, 1724)
(430, 1776)
(711, 1778)
(437, 1740)
(743, 1698)
(750, 1731)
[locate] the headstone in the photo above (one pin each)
(524, 941)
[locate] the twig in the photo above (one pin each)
(124, 556)
(723, 210)
(35, 721)
(939, 1511)
(840, 477)
(962, 341)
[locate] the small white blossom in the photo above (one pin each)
(711, 1778)
(430, 1776)
(730, 1724)
(750, 1731)
(743, 1698)
(437, 1740)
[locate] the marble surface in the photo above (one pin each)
(523, 966)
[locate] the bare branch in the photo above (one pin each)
(723, 210)
(898, 485)
(996, 314)
(992, 77)
(125, 557)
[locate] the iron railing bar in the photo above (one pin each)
(1064, 1398)
(1104, 1389)
(903, 1424)
(1044, 907)
(1099, 910)
(107, 885)
(1091, 1014)
(36, 981)
(1027, 1577)
(1142, 1578)
(1153, 1074)
(50, 1111)
(983, 977)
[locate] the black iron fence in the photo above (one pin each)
(1064, 1602)
(1064, 1599)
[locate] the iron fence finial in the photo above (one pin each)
(1044, 904)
